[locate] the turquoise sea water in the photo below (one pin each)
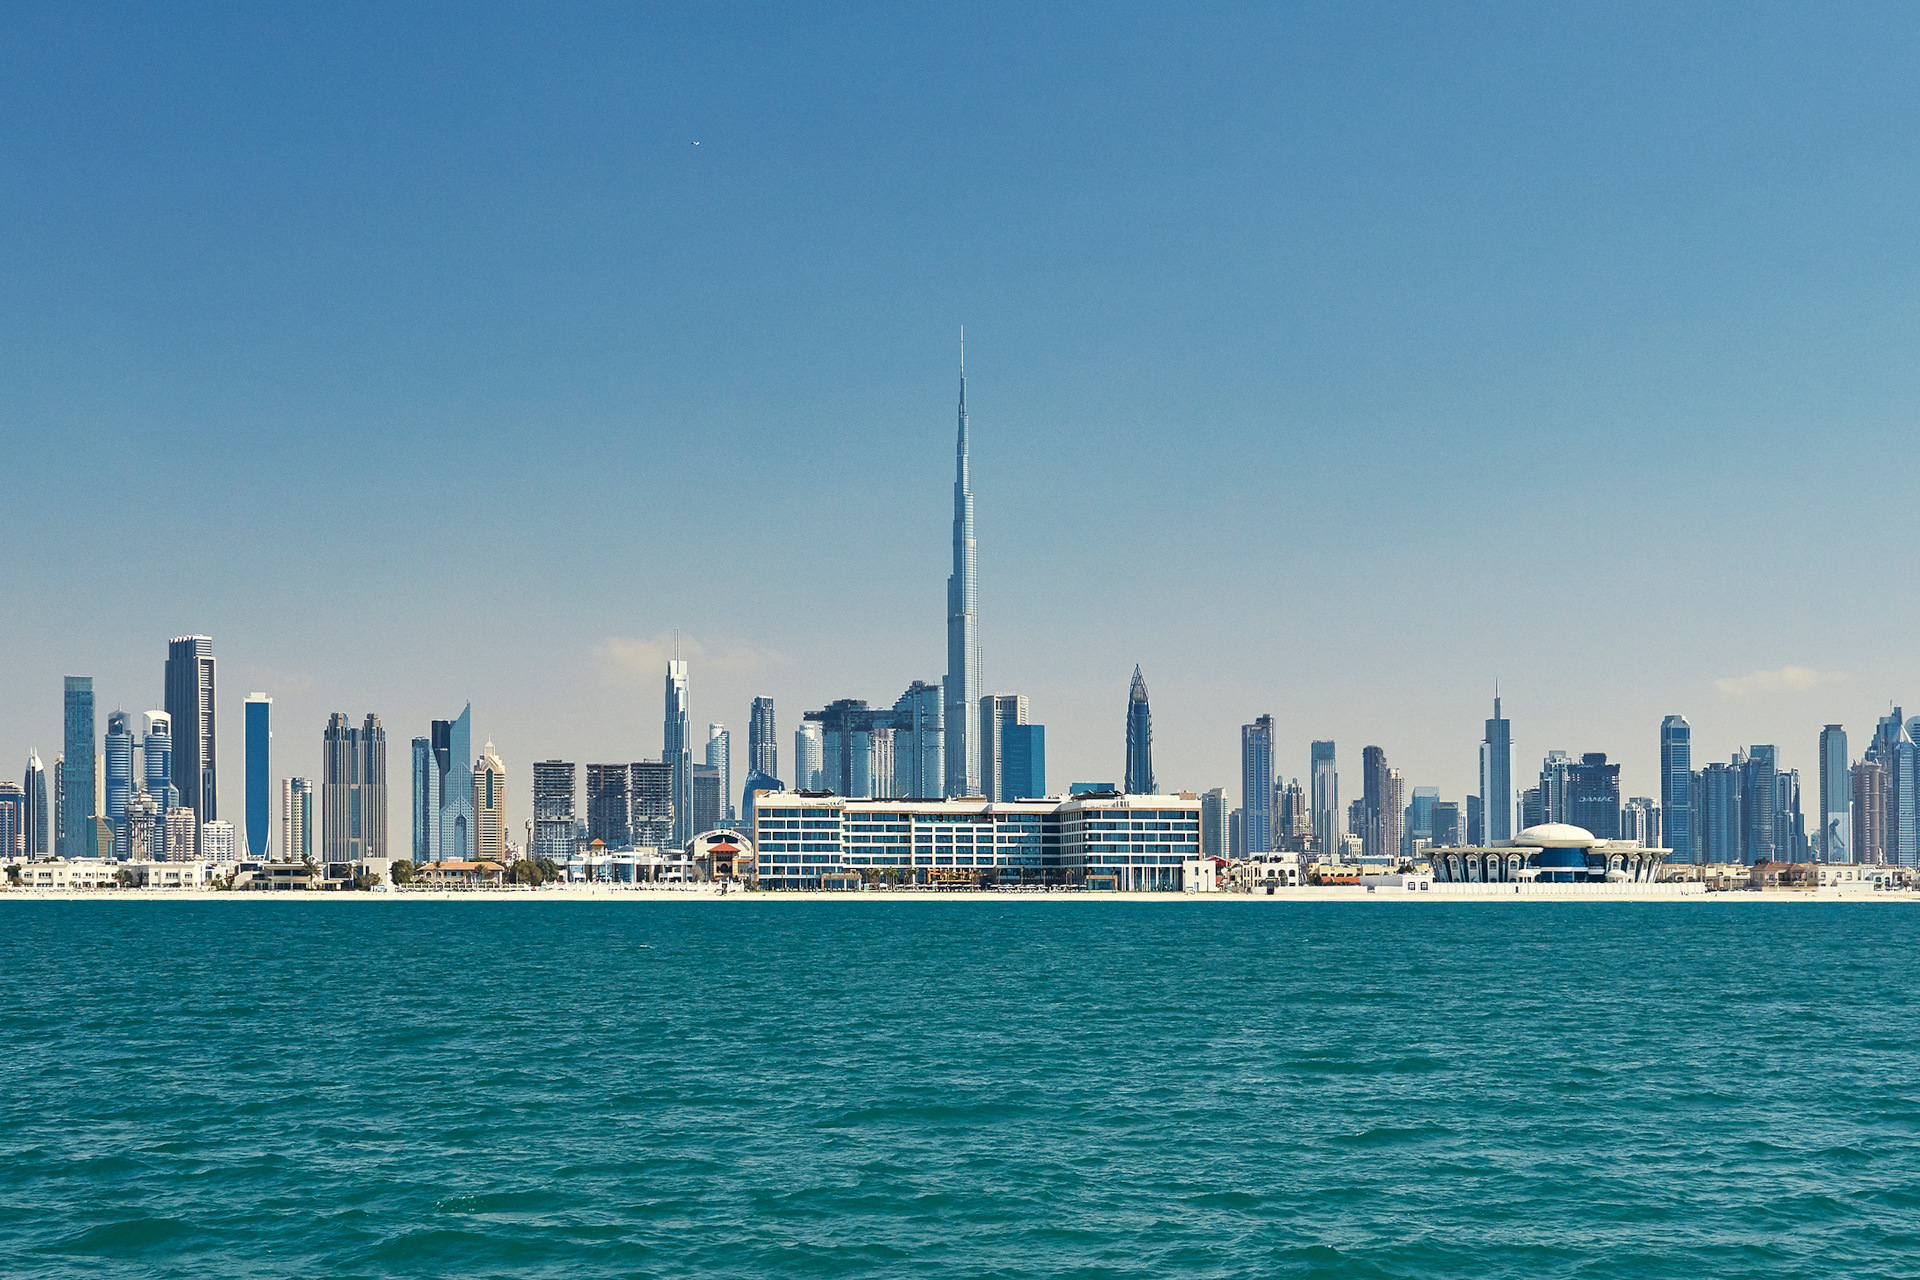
(1000, 1088)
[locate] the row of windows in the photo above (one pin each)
(1136, 861)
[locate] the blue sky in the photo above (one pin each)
(1328, 361)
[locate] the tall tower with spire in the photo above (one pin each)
(1139, 739)
(962, 685)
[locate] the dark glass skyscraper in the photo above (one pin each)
(1139, 739)
(76, 769)
(553, 786)
(259, 774)
(609, 809)
(1593, 795)
(962, 685)
(1496, 779)
(118, 759)
(1676, 787)
(1256, 785)
(353, 790)
(763, 756)
(190, 705)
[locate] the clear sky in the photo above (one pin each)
(1328, 361)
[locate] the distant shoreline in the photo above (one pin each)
(608, 893)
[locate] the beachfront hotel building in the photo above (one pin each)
(1106, 840)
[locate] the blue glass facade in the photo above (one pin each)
(1139, 739)
(1676, 787)
(1256, 784)
(1024, 761)
(259, 774)
(119, 779)
(76, 769)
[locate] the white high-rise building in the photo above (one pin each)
(720, 758)
(809, 752)
(676, 734)
(216, 839)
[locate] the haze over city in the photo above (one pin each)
(1332, 365)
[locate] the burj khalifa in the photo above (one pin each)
(962, 685)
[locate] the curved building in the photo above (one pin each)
(1551, 853)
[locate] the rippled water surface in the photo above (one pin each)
(887, 1087)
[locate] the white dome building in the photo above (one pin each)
(1551, 853)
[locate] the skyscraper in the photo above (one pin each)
(353, 790)
(1023, 762)
(999, 712)
(962, 684)
(425, 804)
(1593, 799)
(1324, 778)
(763, 751)
(453, 762)
(1496, 779)
(1870, 813)
(706, 799)
(919, 744)
(720, 758)
(489, 807)
(1379, 806)
(1834, 840)
(1213, 823)
(296, 819)
(77, 776)
(13, 820)
(553, 816)
(678, 752)
(1759, 806)
(651, 806)
(259, 774)
(190, 704)
(156, 751)
(1139, 739)
(1676, 787)
(609, 811)
(1256, 784)
(34, 786)
(119, 776)
(809, 754)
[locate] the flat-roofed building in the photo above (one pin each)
(1118, 841)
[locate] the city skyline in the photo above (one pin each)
(1259, 369)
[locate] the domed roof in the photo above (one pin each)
(1557, 835)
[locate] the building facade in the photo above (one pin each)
(1324, 778)
(453, 771)
(190, 704)
(1256, 785)
(490, 807)
(720, 759)
(553, 812)
(763, 750)
(962, 686)
(1833, 841)
(353, 790)
(259, 775)
(609, 808)
(651, 807)
(999, 713)
(1496, 777)
(1139, 772)
(809, 755)
(676, 734)
(1676, 787)
(1593, 796)
(296, 820)
(77, 779)
(1139, 843)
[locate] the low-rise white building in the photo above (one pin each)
(170, 874)
(1135, 843)
(66, 874)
